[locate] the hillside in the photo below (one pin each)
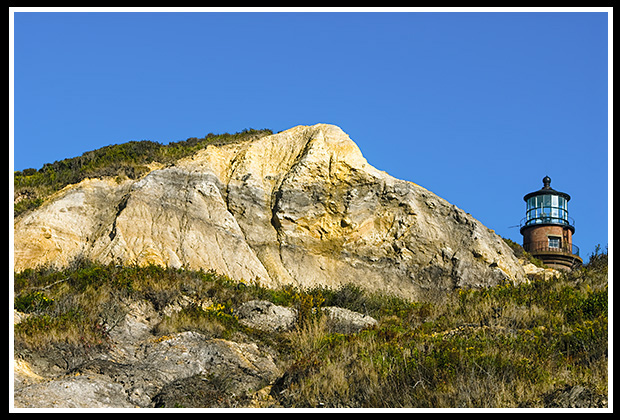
(301, 207)
(97, 335)
(282, 270)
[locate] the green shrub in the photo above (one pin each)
(33, 302)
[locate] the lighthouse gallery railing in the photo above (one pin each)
(543, 246)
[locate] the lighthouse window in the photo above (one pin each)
(554, 241)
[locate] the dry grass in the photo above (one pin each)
(505, 346)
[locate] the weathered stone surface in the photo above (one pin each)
(139, 369)
(266, 316)
(344, 321)
(187, 354)
(73, 392)
(299, 207)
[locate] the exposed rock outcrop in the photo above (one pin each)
(345, 321)
(299, 207)
(266, 316)
(140, 369)
(143, 370)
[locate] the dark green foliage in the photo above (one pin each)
(33, 302)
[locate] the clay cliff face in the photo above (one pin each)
(299, 207)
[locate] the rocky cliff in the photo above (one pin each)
(299, 207)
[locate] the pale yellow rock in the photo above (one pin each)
(24, 374)
(299, 207)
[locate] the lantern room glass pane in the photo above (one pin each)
(562, 202)
(555, 213)
(547, 208)
(532, 210)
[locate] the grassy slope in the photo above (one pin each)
(506, 346)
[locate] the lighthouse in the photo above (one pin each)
(548, 230)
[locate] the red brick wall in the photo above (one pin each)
(541, 234)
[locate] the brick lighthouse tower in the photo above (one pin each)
(547, 230)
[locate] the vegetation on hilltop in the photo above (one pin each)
(126, 160)
(513, 345)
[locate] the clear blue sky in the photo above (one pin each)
(476, 107)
